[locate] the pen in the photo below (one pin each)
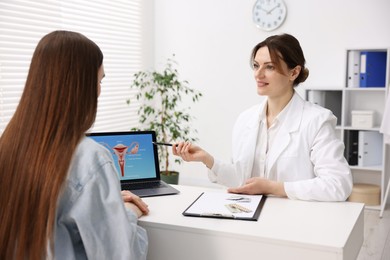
(157, 143)
(218, 215)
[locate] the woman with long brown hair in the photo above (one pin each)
(61, 196)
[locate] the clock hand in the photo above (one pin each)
(270, 11)
(261, 8)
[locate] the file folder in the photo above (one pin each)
(373, 69)
(316, 97)
(351, 146)
(370, 148)
(330, 99)
(353, 77)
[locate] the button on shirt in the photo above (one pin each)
(265, 138)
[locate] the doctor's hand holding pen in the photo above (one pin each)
(193, 153)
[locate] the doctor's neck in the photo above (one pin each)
(276, 104)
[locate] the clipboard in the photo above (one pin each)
(227, 206)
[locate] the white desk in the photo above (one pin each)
(286, 229)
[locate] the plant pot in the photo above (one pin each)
(171, 177)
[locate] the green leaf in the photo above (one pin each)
(160, 94)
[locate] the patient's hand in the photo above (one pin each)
(134, 208)
(130, 200)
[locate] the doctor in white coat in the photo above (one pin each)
(285, 146)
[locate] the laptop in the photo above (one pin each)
(136, 160)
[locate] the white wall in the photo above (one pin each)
(212, 40)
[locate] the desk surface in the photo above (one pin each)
(332, 228)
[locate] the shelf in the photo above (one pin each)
(325, 88)
(353, 97)
(361, 129)
(378, 207)
(366, 89)
(366, 168)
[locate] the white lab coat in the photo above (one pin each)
(306, 154)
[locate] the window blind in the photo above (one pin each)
(116, 26)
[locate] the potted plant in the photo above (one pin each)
(162, 110)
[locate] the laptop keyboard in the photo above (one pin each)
(142, 185)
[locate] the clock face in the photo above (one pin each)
(269, 14)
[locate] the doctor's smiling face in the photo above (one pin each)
(278, 64)
(273, 78)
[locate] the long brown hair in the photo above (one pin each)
(287, 48)
(57, 107)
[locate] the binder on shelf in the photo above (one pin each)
(316, 97)
(330, 99)
(373, 69)
(333, 101)
(370, 148)
(353, 77)
(351, 146)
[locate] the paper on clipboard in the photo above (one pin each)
(226, 205)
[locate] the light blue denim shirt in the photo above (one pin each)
(92, 222)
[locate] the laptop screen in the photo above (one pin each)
(135, 156)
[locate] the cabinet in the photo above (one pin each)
(359, 107)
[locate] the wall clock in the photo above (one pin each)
(269, 15)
